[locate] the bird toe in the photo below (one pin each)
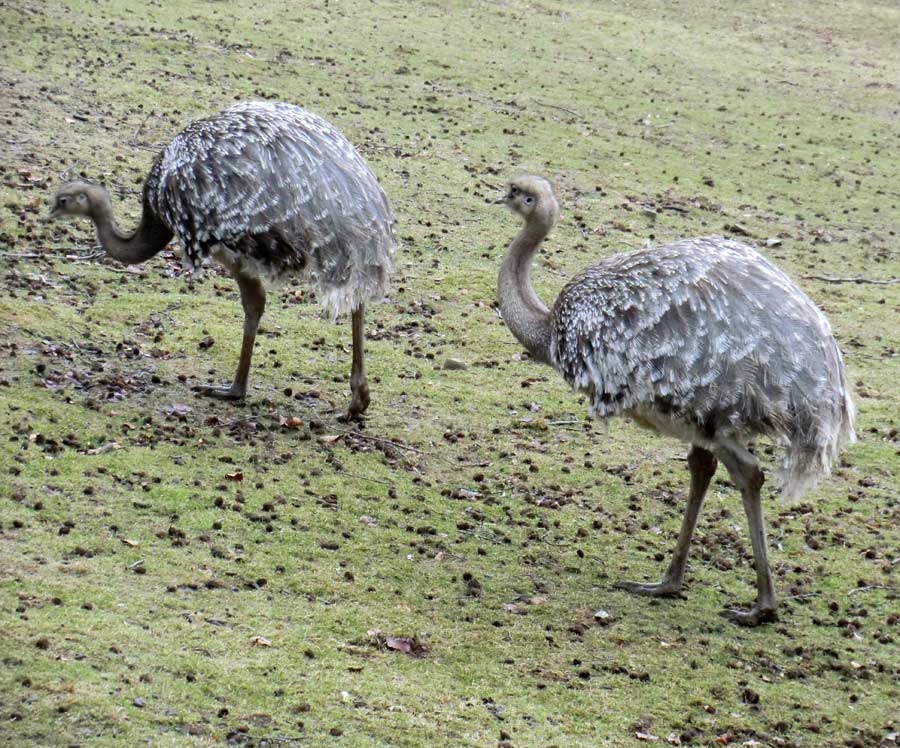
(751, 617)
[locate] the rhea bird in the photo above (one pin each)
(270, 191)
(703, 339)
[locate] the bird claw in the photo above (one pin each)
(661, 589)
(358, 404)
(752, 617)
(220, 393)
(352, 415)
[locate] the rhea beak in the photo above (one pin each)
(501, 200)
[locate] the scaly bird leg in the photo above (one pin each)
(702, 465)
(359, 385)
(253, 299)
(749, 479)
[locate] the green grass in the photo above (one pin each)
(143, 572)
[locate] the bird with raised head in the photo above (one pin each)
(704, 340)
(270, 191)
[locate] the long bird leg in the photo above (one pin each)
(359, 385)
(253, 299)
(747, 476)
(702, 464)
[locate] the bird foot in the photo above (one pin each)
(752, 617)
(220, 393)
(661, 589)
(352, 415)
(358, 404)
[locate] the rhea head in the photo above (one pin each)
(75, 199)
(532, 197)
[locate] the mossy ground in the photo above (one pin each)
(477, 510)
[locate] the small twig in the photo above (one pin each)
(86, 258)
(64, 175)
(855, 279)
(35, 255)
(364, 477)
(872, 587)
(140, 127)
(360, 435)
(561, 108)
(557, 543)
(127, 270)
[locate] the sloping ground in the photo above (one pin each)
(149, 538)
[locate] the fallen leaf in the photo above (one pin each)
(132, 543)
(103, 449)
(291, 422)
(407, 644)
(235, 476)
(736, 228)
(645, 736)
(260, 641)
(329, 438)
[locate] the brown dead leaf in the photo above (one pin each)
(407, 644)
(260, 641)
(130, 542)
(330, 438)
(645, 736)
(235, 476)
(103, 449)
(291, 422)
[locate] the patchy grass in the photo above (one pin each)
(476, 510)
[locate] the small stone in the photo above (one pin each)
(455, 364)
(139, 702)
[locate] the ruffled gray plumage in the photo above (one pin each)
(706, 339)
(281, 192)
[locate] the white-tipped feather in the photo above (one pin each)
(706, 339)
(280, 192)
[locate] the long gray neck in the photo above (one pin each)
(524, 313)
(150, 237)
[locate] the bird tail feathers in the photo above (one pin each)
(810, 457)
(362, 285)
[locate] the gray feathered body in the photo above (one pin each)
(276, 191)
(706, 340)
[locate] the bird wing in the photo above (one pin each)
(262, 165)
(702, 327)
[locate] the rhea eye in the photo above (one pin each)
(62, 200)
(529, 200)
